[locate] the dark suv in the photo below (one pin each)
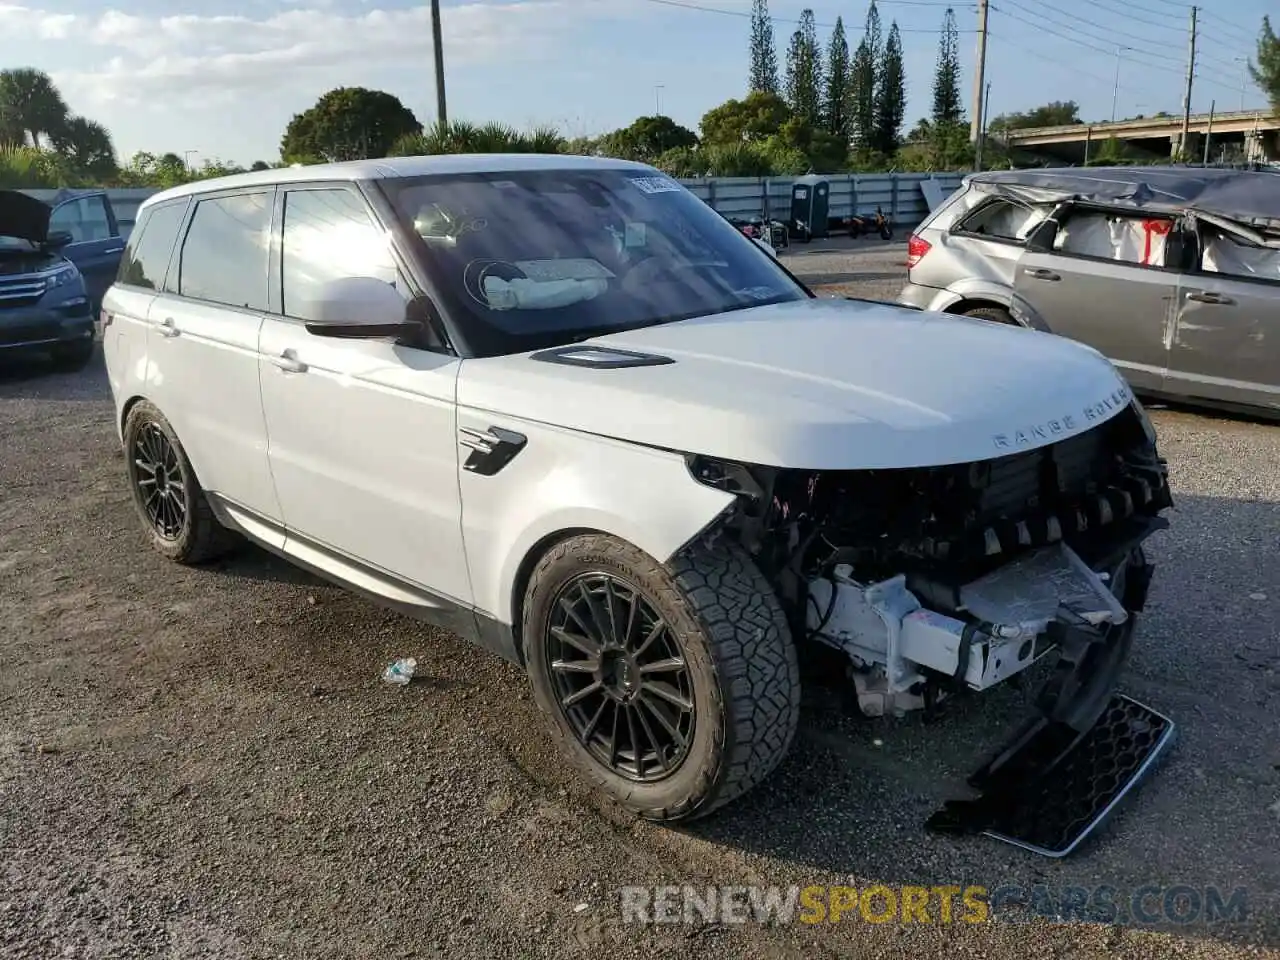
(55, 263)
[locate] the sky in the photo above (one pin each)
(222, 79)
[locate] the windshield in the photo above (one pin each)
(531, 259)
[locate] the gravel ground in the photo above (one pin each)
(204, 763)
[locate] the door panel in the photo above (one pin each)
(1119, 309)
(1226, 340)
(96, 244)
(202, 373)
(203, 346)
(363, 447)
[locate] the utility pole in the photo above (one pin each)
(442, 116)
(1183, 150)
(1208, 134)
(657, 99)
(980, 74)
(982, 138)
(1115, 90)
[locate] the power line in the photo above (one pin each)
(1252, 36)
(746, 14)
(1110, 49)
(1129, 16)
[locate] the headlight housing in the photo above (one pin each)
(61, 275)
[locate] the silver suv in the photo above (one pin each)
(1173, 273)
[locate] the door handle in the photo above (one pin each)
(1206, 296)
(114, 250)
(168, 328)
(1042, 274)
(289, 362)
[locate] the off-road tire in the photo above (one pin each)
(202, 537)
(71, 357)
(993, 314)
(740, 655)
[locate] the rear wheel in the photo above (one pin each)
(993, 314)
(674, 689)
(166, 493)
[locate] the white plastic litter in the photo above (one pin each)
(525, 294)
(400, 672)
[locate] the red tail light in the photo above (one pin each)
(917, 247)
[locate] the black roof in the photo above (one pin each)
(1247, 196)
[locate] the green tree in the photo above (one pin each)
(864, 80)
(87, 146)
(947, 107)
(1059, 113)
(764, 57)
(647, 139)
(752, 119)
(804, 70)
(1266, 70)
(891, 95)
(835, 112)
(347, 123)
(32, 104)
(459, 136)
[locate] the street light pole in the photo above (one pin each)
(657, 99)
(442, 116)
(1244, 74)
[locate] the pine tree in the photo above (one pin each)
(863, 81)
(764, 58)
(947, 108)
(891, 95)
(835, 112)
(804, 71)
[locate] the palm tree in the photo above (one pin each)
(32, 103)
(87, 146)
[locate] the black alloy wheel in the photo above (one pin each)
(620, 678)
(158, 474)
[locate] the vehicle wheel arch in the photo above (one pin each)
(524, 572)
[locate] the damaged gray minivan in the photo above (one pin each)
(1172, 272)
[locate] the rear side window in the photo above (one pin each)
(327, 235)
(146, 256)
(1004, 219)
(224, 257)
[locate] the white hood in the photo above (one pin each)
(818, 384)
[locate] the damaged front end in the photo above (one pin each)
(937, 580)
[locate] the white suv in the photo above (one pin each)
(561, 406)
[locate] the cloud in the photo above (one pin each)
(192, 58)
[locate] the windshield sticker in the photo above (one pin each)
(504, 184)
(544, 271)
(656, 184)
(635, 235)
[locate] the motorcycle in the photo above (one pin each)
(877, 223)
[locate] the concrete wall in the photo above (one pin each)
(898, 194)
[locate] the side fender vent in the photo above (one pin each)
(604, 358)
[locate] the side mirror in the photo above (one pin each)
(766, 246)
(359, 308)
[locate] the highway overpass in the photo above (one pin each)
(1255, 131)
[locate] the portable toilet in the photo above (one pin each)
(810, 201)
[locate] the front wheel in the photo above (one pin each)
(674, 689)
(886, 232)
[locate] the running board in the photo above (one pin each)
(1052, 786)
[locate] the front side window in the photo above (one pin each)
(146, 254)
(328, 234)
(1140, 241)
(85, 219)
(224, 257)
(535, 258)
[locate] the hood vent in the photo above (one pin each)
(603, 358)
